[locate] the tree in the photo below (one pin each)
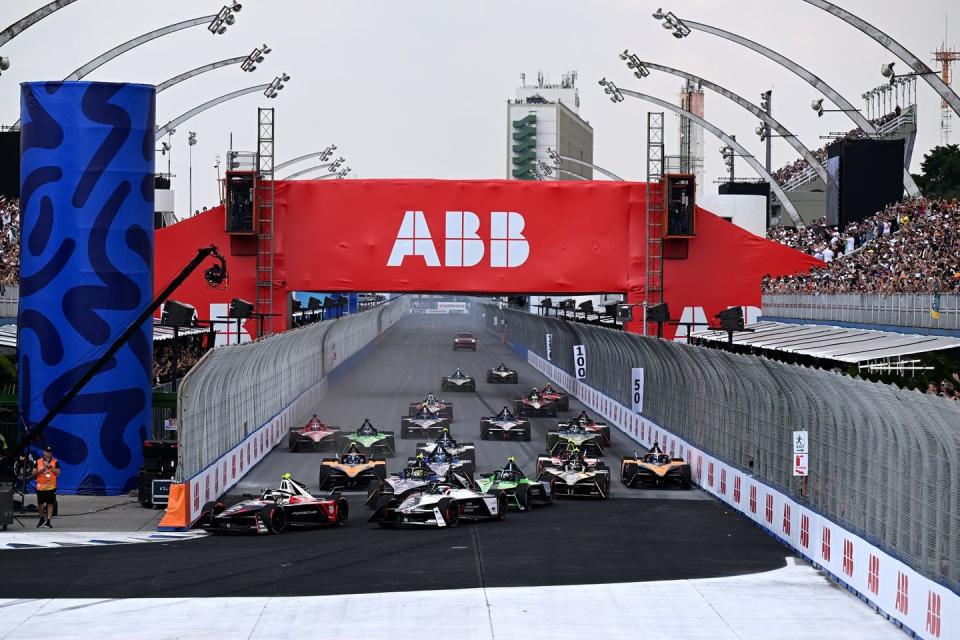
(941, 173)
(8, 372)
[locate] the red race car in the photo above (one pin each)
(315, 436)
(562, 399)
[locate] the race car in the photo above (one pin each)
(575, 435)
(442, 461)
(522, 493)
(534, 404)
(559, 458)
(590, 424)
(465, 341)
(440, 504)
(504, 426)
(371, 440)
(462, 450)
(562, 399)
(423, 425)
(400, 483)
(458, 381)
(502, 375)
(577, 478)
(434, 405)
(315, 436)
(654, 468)
(276, 509)
(351, 469)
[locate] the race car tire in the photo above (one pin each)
(450, 510)
(607, 437)
(502, 507)
(523, 497)
(209, 510)
(553, 411)
(343, 511)
(380, 470)
(469, 469)
(484, 431)
(564, 404)
(627, 471)
(324, 477)
(489, 378)
(292, 443)
(470, 454)
(526, 434)
(404, 432)
(274, 518)
(391, 444)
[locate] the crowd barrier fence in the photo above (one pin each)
(892, 310)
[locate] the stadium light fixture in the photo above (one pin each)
(4, 63)
(671, 21)
(640, 70)
(886, 70)
(611, 90)
(255, 58)
(817, 105)
(224, 18)
(276, 86)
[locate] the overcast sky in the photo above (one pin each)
(417, 88)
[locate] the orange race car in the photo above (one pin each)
(654, 468)
(351, 469)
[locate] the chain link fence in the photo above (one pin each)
(234, 390)
(897, 309)
(884, 462)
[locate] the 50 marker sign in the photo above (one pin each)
(580, 361)
(636, 389)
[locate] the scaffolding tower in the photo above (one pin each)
(946, 58)
(653, 282)
(265, 222)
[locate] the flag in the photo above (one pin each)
(935, 306)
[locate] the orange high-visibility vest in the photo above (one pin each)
(46, 480)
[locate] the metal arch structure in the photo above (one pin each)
(575, 176)
(756, 166)
(897, 49)
(28, 21)
(163, 86)
(609, 174)
(303, 172)
(292, 161)
(176, 122)
(785, 133)
(815, 81)
(326, 175)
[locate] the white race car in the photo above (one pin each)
(440, 504)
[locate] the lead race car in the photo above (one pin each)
(577, 478)
(276, 509)
(371, 440)
(573, 434)
(423, 425)
(590, 424)
(502, 375)
(440, 504)
(534, 404)
(654, 468)
(435, 406)
(461, 450)
(315, 436)
(458, 381)
(351, 469)
(504, 426)
(522, 493)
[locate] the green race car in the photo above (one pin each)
(371, 441)
(522, 493)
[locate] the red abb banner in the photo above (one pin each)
(459, 236)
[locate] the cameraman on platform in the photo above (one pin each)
(45, 475)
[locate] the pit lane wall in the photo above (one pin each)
(689, 383)
(239, 402)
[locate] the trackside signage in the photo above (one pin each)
(433, 235)
(927, 609)
(580, 361)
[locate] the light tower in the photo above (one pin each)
(946, 57)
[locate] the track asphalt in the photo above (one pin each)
(637, 536)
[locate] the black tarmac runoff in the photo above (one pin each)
(638, 535)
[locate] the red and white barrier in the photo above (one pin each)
(920, 605)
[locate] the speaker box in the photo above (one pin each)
(731, 319)
(240, 308)
(658, 313)
(178, 314)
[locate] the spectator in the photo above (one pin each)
(932, 389)
(910, 247)
(949, 391)
(9, 242)
(191, 349)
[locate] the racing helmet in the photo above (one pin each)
(431, 399)
(419, 473)
(367, 428)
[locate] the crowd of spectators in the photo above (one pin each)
(191, 349)
(949, 389)
(785, 174)
(910, 247)
(9, 242)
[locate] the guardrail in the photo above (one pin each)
(238, 402)
(884, 462)
(893, 310)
